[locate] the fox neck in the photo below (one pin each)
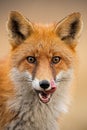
(35, 115)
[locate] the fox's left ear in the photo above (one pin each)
(19, 28)
(69, 28)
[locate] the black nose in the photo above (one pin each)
(44, 84)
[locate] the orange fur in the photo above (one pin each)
(42, 42)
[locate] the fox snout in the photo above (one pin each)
(44, 89)
(43, 84)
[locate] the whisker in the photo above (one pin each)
(63, 79)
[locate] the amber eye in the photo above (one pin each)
(31, 59)
(56, 59)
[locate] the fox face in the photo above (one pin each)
(43, 57)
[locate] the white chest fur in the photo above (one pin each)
(31, 113)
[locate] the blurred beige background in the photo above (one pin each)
(47, 11)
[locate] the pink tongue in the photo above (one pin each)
(53, 87)
(50, 91)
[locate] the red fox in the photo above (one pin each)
(36, 78)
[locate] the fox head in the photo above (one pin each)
(43, 57)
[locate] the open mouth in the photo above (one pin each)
(45, 96)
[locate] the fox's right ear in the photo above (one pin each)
(19, 28)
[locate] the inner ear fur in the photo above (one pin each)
(19, 28)
(69, 28)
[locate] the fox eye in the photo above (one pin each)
(56, 59)
(31, 59)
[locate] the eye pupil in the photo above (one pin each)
(55, 59)
(31, 59)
